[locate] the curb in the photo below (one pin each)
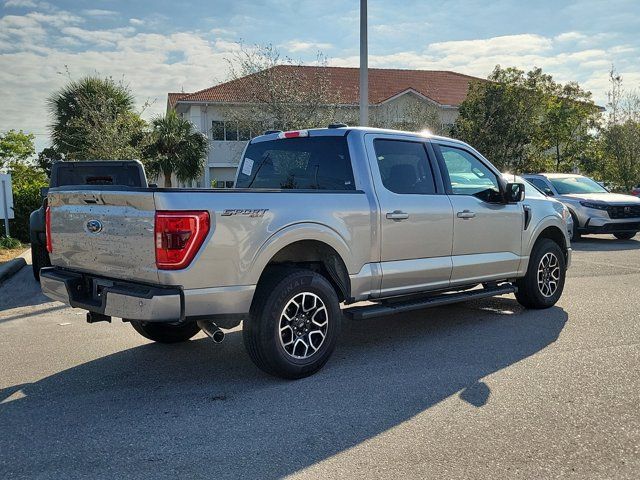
(11, 267)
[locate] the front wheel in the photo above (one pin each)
(294, 323)
(625, 235)
(542, 286)
(166, 332)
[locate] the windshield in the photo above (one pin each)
(569, 185)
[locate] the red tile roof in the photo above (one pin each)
(173, 98)
(443, 87)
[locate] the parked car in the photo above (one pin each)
(319, 217)
(126, 173)
(635, 191)
(594, 209)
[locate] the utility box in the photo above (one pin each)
(6, 201)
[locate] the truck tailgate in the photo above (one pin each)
(110, 233)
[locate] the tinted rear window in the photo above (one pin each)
(315, 163)
(99, 175)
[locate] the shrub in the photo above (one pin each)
(10, 242)
(27, 181)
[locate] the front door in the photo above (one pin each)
(416, 220)
(487, 234)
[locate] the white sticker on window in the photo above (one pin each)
(247, 167)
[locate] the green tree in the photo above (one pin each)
(47, 157)
(15, 147)
(526, 121)
(93, 118)
(568, 118)
(620, 135)
(175, 147)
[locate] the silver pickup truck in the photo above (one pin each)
(318, 218)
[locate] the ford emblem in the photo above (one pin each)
(94, 226)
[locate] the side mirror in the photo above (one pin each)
(548, 192)
(514, 193)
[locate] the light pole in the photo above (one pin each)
(364, 67)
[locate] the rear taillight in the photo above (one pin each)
(47, 229)
(179, 236)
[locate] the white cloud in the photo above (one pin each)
(570, 37)
(33, 65)
(300, 46)
(136, 21)
(20, 4)
(96, 12)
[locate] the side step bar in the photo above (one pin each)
(379, 309)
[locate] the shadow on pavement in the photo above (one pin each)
(21, 290)
(199, 410)
(604, 243)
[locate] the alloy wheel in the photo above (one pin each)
(303, 325)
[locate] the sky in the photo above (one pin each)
(159, 46)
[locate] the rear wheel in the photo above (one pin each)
(166, 332)
(39, 259)
(294, 323)
(625, 235)
(542, 286)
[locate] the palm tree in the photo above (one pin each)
(93, 118)
(176, 147)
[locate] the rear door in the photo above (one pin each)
(487, 234)
(416, 220)
(107, 233)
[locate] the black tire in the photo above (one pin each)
(576, 235)
(530, 294)
(166, 332)
(262, 334)
(39, 259)
(625, 235)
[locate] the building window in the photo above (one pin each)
(231, 131)
(244, 131)
(222, 183)
(217, 130)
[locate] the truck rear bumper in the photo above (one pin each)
(135, 301)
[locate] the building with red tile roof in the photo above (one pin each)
(389, 90)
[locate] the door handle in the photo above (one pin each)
(466, 214)
(397, 215)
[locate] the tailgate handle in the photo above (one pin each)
(90, 200)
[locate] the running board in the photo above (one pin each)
(378, 310)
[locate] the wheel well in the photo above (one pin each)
(316, 256)
(555, 234)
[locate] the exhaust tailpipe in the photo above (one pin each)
(212, 330)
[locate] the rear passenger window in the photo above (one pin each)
(404, 167)
(307, 163)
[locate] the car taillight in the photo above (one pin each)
(47, 229)
(179, 236)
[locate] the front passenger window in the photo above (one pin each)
(468, 175)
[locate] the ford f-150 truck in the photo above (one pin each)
(318, 218)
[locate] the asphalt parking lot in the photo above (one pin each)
(478, 390)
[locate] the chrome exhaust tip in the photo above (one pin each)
(212, 330)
